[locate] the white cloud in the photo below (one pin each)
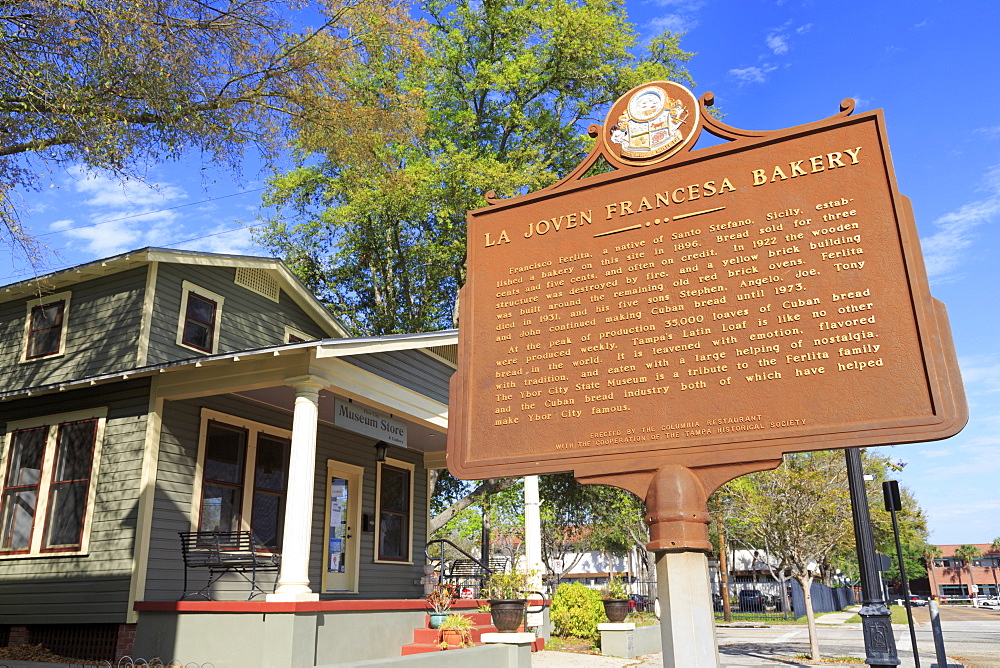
(681, 17)
(675, 23)
(112, 216)
(62, 224)
(982, 371)
(223, 239)
(747, 75)
(106, 191)
(105, 238)
(860, 102)
(990, 133)
(943, 250)
(778, 40)
(777, 43)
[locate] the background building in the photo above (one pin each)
(949, 576)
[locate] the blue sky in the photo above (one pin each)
(930, 65)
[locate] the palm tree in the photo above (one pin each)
(932, 552)
(995, 545)
(968, 553)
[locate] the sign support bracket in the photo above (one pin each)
(677, 514)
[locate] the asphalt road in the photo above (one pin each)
(972, 640)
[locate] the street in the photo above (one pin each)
(972, 639)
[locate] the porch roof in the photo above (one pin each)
(441, 344)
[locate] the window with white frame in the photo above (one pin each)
(244, 477)
(45, 327)
(201, 313)
(48, 484)
(394, 510)
(293, 335)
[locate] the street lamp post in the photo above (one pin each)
(876, 621)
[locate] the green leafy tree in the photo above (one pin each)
(119, 84)
(799, 514)
(508, 85)
(911, 520)
(576, 519)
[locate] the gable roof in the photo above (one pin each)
(105, 267)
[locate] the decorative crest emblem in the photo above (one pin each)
(651, 122)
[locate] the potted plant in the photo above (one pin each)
(507, 594)
(440, 600)
(456, 631)
(615, 599)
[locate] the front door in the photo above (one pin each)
(343, 524)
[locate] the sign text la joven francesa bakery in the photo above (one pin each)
(700, 307)
(692, 315)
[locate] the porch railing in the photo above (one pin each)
(463, 572)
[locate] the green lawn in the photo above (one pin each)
(898, 615)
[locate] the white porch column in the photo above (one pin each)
(293, 580)
(533, 542)
(533, 530)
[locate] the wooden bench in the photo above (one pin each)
(470, 573)
(224, 552)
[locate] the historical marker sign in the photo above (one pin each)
(700, 308)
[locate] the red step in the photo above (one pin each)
(427, 639)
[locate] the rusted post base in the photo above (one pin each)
(677, 513)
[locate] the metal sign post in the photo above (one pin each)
(876, 621)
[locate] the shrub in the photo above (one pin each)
(576, 611)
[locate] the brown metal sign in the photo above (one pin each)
(702, 307)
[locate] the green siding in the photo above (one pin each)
(95, 587)
(175, 495)
(248, 319)
(412, 369)
(102, 332)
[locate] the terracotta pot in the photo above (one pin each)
(508, 614)
(453, 637)
(616, 609)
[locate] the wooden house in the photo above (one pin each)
(160, 392)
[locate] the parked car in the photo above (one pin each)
(751, 600)
(916, 601)
(991, 602)
(638, 603)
